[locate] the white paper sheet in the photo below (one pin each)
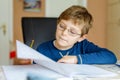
(71, 70)
(68, 70)
(20, 72)
(24, 51)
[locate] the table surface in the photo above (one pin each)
(112, 68)
(2, 77)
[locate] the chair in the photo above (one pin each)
(37, 30)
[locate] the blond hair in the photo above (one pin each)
(78, 15)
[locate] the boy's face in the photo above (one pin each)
(67, 34)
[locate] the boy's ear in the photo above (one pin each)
(83, 37)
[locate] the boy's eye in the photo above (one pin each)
(72, 32)
(61, 26)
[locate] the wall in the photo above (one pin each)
(54, 10)
(19, 13)
(113, 39)
(5, 30)
(98, 9)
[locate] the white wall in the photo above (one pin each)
(55, 7)
(6, 19)
(11, 20)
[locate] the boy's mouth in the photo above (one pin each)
(63, 39)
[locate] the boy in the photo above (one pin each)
(71, 45)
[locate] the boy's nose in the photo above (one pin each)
(65, 32)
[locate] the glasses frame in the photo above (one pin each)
(70, 33)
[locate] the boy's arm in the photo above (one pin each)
(102, 57)
(93, 54)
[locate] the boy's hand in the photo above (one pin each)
(68, 59)
(22, 61)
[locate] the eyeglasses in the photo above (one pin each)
(71, 32)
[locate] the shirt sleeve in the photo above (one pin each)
(92, 54)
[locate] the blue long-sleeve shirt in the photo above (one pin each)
(86, 52)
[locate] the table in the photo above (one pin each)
(112, 68)
(2, 77)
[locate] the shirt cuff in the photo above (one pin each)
(79, 58)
